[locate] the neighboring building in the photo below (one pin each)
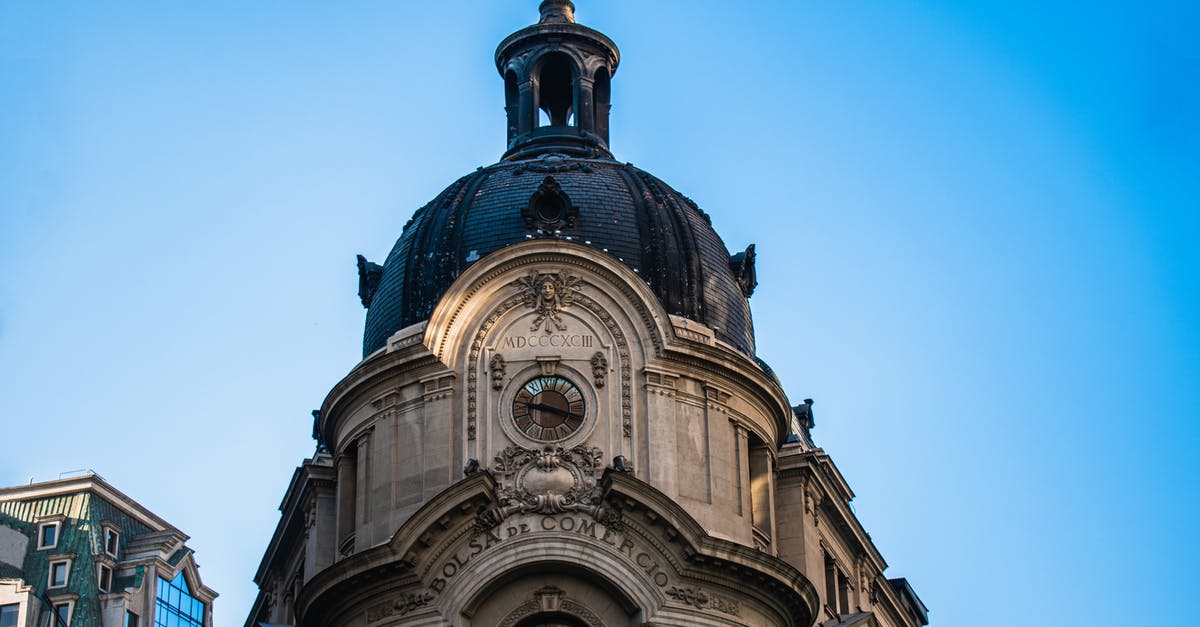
(559, 418)
(78, 552)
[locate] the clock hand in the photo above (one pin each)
(550, 408)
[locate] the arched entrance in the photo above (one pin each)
(556, 619)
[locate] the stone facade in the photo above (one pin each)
(550, 443)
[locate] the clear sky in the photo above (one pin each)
(978, 227)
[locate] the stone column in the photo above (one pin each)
(347, 477)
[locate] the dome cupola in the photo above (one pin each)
(556, 85)
(558, 179)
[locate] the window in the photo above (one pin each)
(8, 615)
(175, 606)
(60, 616)
(47, 535)
(104, 578)
(131, 619)
(556, 91)
(60, 571)
(837, 587)
(112, 539)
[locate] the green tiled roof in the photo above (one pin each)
(80, 537)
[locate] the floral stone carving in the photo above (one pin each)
(548, 293)
(552, 480)
(599, 369)
(497, 367)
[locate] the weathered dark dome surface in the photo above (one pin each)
(638, 219)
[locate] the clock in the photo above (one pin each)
(548, 409)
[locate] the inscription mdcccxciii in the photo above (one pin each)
(554, 340)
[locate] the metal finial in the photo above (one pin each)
(561, 11)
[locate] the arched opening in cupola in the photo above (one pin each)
(602, 100)
(556, 90)
(512, 103)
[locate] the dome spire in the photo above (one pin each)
(560, 11)
(557, 85)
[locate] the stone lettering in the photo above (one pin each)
(581, 525)
(555, 340)
(626, 546)
(476, 547)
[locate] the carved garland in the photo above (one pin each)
(400, 606)
(552, 480)
(701, 600)
(623, 352)
(473, 359)
(548, 599)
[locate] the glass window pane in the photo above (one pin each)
(58, 574)
(175, 605)
(49, 533)
(8, 615)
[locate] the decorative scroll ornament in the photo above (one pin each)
(700, 599)
(497, 367)
(552, 480)
(400, 606)
(599, 369)
(551, 163)
(548, 293)
(551, 599)
(549, 208)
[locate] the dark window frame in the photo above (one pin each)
(41, 534)
(112, 541)
(103, 582)
(66, 579)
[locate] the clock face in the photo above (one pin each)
(548, 408)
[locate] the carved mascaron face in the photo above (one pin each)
(548, 409)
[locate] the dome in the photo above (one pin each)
(639, 220)
(558, 179)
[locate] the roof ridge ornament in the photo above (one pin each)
(560, 11)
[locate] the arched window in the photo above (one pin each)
(601, 101)
(512, 103)
(556, 91)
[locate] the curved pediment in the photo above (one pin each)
(632, 543)
(507, 280)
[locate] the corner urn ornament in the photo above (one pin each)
(548, 293)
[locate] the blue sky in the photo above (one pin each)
(978, 228)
